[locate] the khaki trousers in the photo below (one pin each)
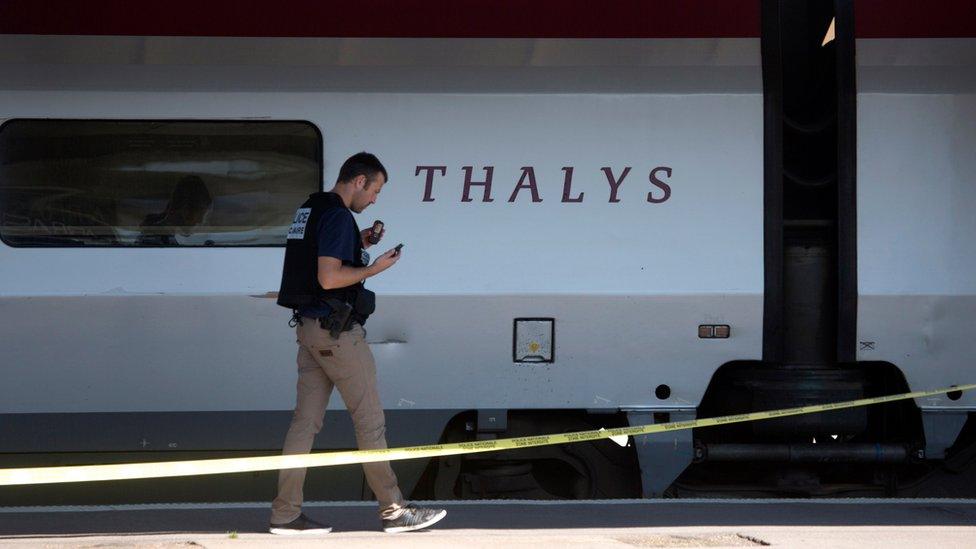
(346, 364)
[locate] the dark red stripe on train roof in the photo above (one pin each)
(915, 19)
(386, 18)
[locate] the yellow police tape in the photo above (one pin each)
(86, 473)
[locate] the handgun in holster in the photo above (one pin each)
(339, 320)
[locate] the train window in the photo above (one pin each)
(154, 183)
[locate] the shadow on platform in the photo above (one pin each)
(487, 517)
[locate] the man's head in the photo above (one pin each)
(189, 203)
(362, 175)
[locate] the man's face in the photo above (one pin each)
(366, 192)
(188, 217)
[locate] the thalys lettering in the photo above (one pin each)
(526, 187)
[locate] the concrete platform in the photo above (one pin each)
(860, 523)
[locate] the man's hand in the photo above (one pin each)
(385, 261)
(366, 233)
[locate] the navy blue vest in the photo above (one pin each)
(299, 277)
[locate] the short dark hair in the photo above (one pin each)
(362, 163)
(190, 192)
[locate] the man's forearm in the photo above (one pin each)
(345, 276)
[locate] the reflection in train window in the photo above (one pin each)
(154, 183)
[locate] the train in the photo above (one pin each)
(653, 213)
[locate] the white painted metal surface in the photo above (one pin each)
(916, 197)
(89, 330)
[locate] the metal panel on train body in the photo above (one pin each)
(627, 276)
(916, 132)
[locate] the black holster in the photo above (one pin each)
(339, 320)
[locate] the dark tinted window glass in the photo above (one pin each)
(154, 183)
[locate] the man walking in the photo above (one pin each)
(322, 282)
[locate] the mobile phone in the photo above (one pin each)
(374, 236)
(396, 251)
